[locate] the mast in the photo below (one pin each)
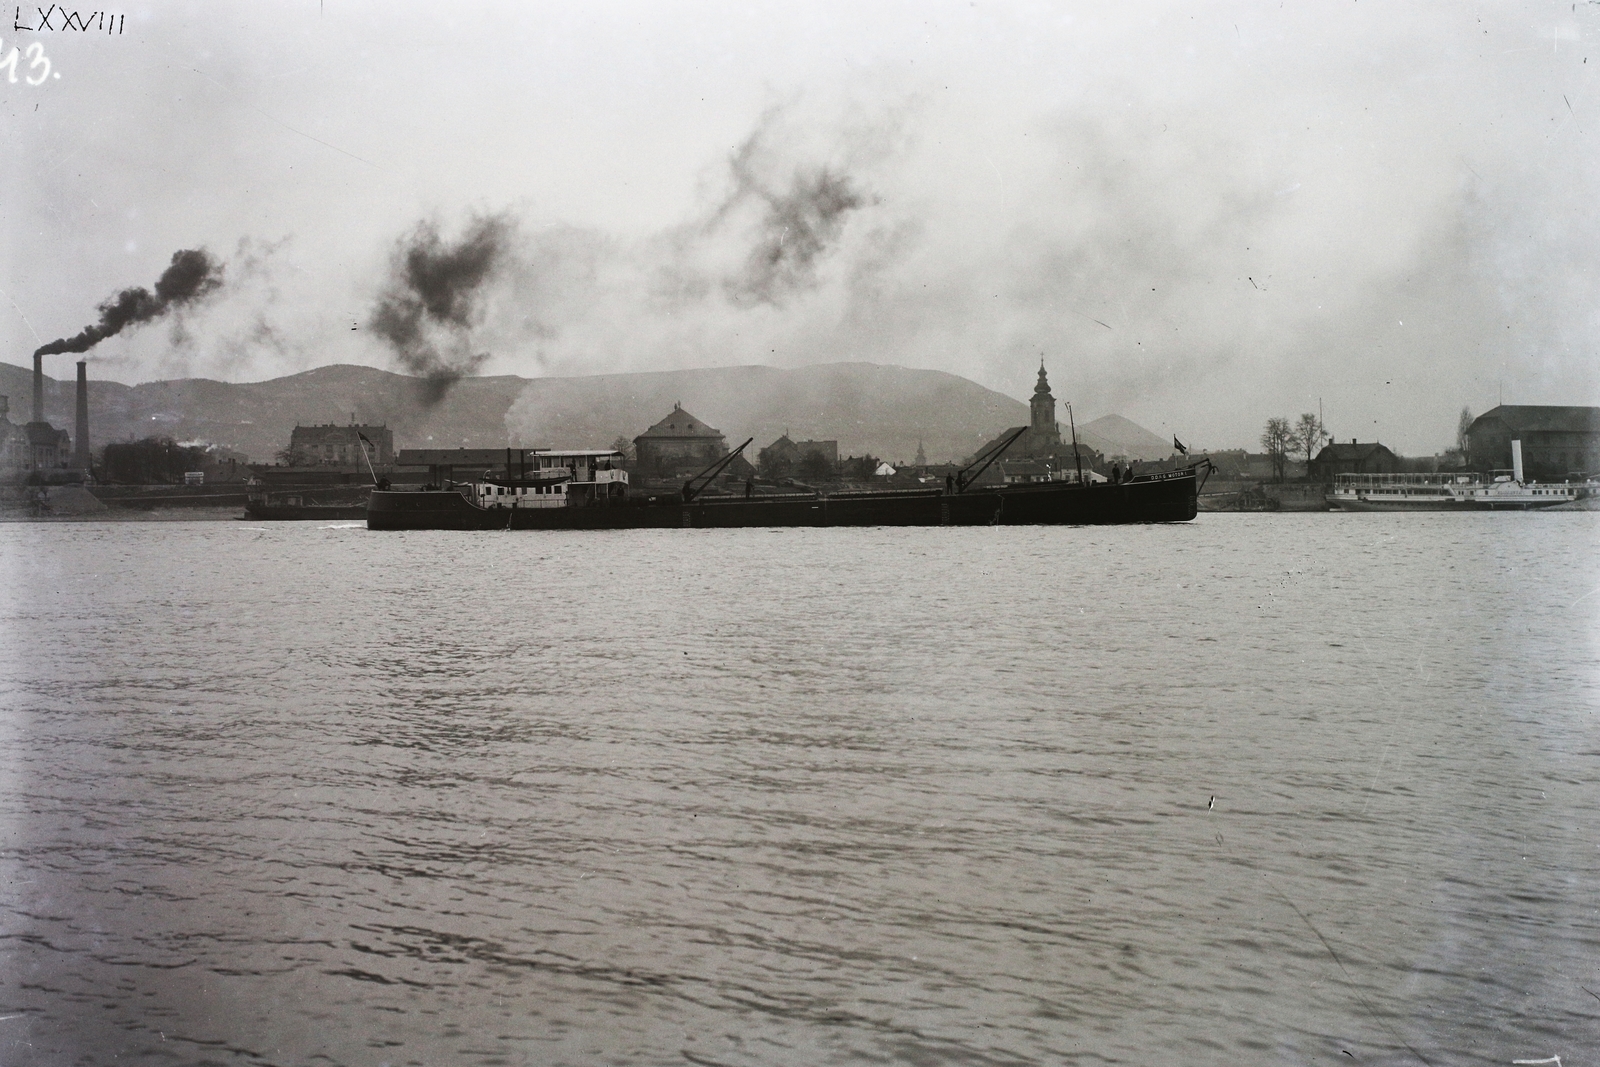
(1076, 458)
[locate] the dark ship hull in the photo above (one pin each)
(301, 512)
(301, 503)
(1168, 497)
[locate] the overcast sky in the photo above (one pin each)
(1201, 215)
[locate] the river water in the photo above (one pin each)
(1256, 789)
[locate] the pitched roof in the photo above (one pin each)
(680, 424)
(1525, 417)
(1351, 451)
(42, 433)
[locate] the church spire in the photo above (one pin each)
(1043, 405)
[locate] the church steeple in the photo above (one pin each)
(1043, 405)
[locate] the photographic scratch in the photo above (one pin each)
(1348, 980)
(1384, 758)
(279, 121)
(25, 321)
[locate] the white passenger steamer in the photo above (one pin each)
(1502, 491)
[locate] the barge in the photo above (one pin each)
(589, 490)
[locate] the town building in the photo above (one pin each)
(16, 450)
(48, 446)
(1353, 458)
(784, 457)
(330, 444)
(679, 443)
(1557, 441)
(32, 447)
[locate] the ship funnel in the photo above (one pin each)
(1516, 461)
(38, 387)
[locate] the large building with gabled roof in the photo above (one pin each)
(1557, 440)
(678, 442)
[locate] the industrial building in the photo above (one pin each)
(1558, 441)
(37, 450)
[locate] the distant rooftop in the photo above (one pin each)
(681, 424)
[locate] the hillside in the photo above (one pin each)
(866, 407)
(1116, 436)
(256, 417)
(884, 410)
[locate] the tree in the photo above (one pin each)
(814, 467)
(152, 461)
(1309, 435)
(1463, 424)
(623, 445)
(1276, 440)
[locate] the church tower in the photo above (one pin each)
(1043, 405)
(1042, 430)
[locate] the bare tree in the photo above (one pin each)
(1276, 440)
(1463, 424)
(1309, 435)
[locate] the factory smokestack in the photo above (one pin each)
(80, 453)
(193, 274)
(38, 387)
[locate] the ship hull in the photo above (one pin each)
(1448, 505)
(303, 512)
(1158, 498)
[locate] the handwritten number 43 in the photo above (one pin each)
(36, 60)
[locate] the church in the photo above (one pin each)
(1040, 454)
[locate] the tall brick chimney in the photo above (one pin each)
(80, 440)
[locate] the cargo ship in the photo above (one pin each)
(589, 490)
(1501, 491)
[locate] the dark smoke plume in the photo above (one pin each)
(192, 274)
(432, 292)
(796, 229)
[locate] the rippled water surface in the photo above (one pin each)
(1254, 789)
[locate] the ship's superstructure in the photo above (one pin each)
(547, 478)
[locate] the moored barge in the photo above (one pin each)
(589, 490)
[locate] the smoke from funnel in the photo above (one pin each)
(431, 302)
(192, 274)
